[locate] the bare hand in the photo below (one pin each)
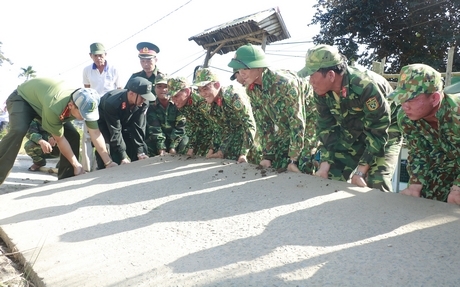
(52, 141)
(46, 146)
(265, 163)
(413, 190)
(322, 173)
(172, 151)
(78, 170)
(210, 153)
(454, 195)
(190, 152)
(112, 164)
(218, 154)
(125, 161)
(162, 152)
(293, 167)
(142, 156)
(358, 180)
(242, 159)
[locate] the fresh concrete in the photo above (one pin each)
(173, 221)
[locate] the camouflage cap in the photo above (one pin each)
(204, 76)
(321, 56)
(248, 57)
(414, 80)
(161, 78)
(177, 84)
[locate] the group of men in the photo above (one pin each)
(276, 118)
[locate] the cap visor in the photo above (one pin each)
(304, 72)
(452, 89)
(395, 96)
(233, 77)
(149, 96)
(236, 65)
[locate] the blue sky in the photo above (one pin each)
(54, 36)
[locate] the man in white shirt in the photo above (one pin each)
(103, 78)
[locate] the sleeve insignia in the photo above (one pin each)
(238, 104)
(372, 104)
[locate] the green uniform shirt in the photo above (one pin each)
(49, 97)
(360, 108)
(196, 113)
(233, 114)
(278, 108)
(163, 123)
(434, 150)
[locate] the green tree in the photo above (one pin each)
(27, 73)
(401, 31)
(3, 58)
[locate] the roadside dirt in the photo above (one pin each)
(20, 178)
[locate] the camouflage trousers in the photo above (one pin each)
(35, 151)
(381, 170)
(233, 147)
(180, 149)
(437, 183)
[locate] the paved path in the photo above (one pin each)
(176, 222)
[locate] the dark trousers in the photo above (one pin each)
(131, 151)
(21, 115)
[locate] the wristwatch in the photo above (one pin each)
(292, 161)
(360, 173)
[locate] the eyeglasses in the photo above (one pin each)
(241, 62)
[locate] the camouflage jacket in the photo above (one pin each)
(196, 112)
(360, 108)
(163, 123)
(36, 132)
(144, 75)
(430, 149)
(278, 108)
(233, 114)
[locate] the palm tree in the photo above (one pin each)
(27, 73)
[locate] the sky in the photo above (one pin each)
(53, 36)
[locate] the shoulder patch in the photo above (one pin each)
(238, 104)
(372, 104)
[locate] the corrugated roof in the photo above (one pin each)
(229, 36)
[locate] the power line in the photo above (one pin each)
(126, 39)
(188, 63)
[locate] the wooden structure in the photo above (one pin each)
(260, 28)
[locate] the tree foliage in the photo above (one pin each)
(3, 58)
(402, 31)
(27, 73)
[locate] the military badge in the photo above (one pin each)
(238, 104)
(372, 104)
(123, 105)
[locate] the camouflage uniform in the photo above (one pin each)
(311, 142)
(433, 154)
(33, 148)
(166, 129)
(196, 112)
(232, 113)
(356, 128)
(278, 108)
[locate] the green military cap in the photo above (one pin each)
(248, 57)
(204, 76)
(233, 77)
(321, 56)
(414, 80)
(97, 49)
(147, 50)
(177, 84)
(161, 78)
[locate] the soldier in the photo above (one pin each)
(277, 100)
(230, 110)
(194, 108)
(39, 143)
(355, 123)
(429, 119)
(165, 123)
(56, 104)
(148, 59)
(122, 121)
